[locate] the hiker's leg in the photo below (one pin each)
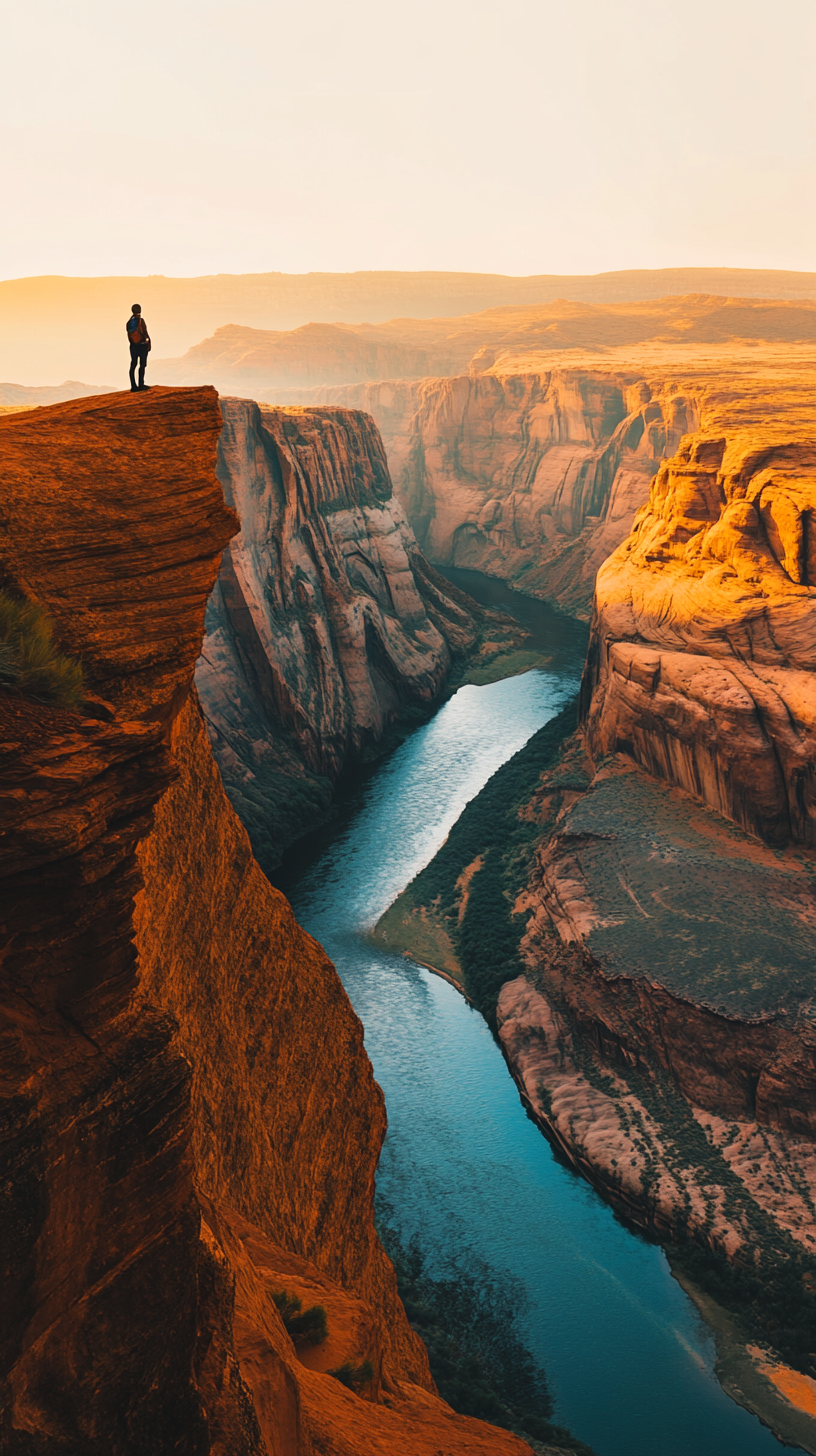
(142, 363)
(134, 354)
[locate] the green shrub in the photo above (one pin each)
(30, 660)
(354, 1377)
(306, 1326)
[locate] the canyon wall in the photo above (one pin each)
(190, 1119)
(531, 477)
(327, 625)
(659, 1013)
(531, 466)
(671, 911)
(704, 639)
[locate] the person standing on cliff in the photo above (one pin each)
(139, 340)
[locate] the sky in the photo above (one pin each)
(509, 136)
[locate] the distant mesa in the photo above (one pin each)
(90, 313)
(22, 396)
(237, 358)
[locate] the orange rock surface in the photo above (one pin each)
(532, 469)
(671, 906)
(704, 641)
(190, 1117)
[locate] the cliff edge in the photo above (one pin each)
(176, 1055)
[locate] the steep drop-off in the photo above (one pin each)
(190, 1120)
(327, 625)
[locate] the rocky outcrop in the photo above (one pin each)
(671, 917)
(327, 625)
(168, 1034)
(704, 642)
(671, 937)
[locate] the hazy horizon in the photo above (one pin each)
(468, 136)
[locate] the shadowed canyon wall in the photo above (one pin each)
(190, 1119)
(531, 477)
(327, 625)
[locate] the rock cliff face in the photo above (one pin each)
(531, 468)
(668, 927)
(176, 1056)
(663, 1028)
(704, 641)
(533, 478)
(327, 625)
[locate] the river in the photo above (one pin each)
(629, 1359)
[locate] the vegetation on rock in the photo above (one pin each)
(469, 1316)
(354, 1377)
(306, 1326)
(30, 660)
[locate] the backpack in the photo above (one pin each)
(138, 335)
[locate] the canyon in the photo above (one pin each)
(650, 873)
(630, 902)
(532, 470)
(327, 628)
(177, 1054)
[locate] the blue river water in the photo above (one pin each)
(629, 1360)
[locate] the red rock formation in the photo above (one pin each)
(140, 1075)
(327, 625)
(660, 935)
(704, 641)
(533, 469)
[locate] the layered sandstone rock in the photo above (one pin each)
(704, 641)
(174, 1073)
(531, 467)
(669, 929)
(327, 625)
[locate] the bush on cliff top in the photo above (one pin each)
(30, 660)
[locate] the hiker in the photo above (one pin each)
(139, 340)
